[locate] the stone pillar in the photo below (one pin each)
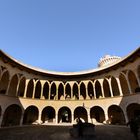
(94, 92)
(88, 113)
(8, 87)
(129, 87)
(49, 96)
(119, 86)
(1, 118)
(39, 121)
(72, 118)
(41, 95)
(106, 117)
(137, 77)
(33, 96)
(26, 85)
(56, 119)
(102, 90)
(87, 96)
(125, 115)
(110, 87)
(21, 119)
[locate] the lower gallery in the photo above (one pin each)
(109, 94)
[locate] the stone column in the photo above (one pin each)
(72, 118)
(119, 86)
(33, 96)
(137, 77)
(1, 118)
(94, 92)
(39, 121)
(102, 90)
(106, 117)
(8, 87)
(26, 85)
(56, 119)
(110, 88)
(129, 87)
(21, 119)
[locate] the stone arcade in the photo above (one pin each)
(107, 94)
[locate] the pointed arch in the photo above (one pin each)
(68, 91)
(30, 89)
(124, 85)
(53, 91)
(4, 81)
(75, 91)
(106, 88)
(82, 90)
(90, 90)
(21, 87)
(46, 90)
(133, 81)
(38, 90)
(12, 91)
(60, 91)
(98, 89)
(115, 88)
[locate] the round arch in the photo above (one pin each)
(48, 114)
(97, 113)
(12, 115)
(133, 110)
(80, 112)
(116, 115)
(64, 115)
(30, 115)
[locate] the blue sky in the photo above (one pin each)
(68, 35)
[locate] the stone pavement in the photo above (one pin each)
(102, 132)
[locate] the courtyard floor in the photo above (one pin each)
(102, 132)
